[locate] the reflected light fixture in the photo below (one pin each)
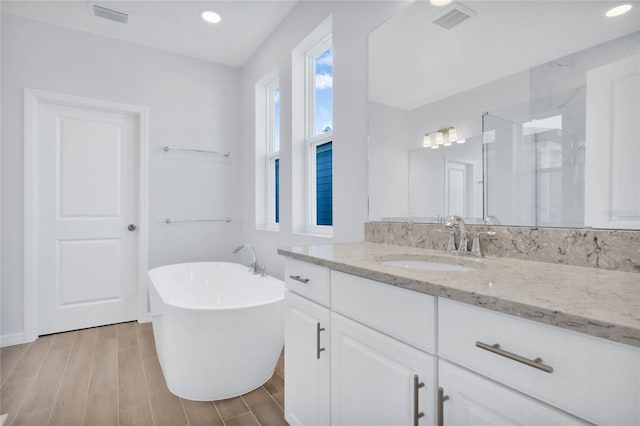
(445, 137)
(440, 2)
(618, 10)
(210, 16)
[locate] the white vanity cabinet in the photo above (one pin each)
(307, 344)
(472, 400)
(306, 365)
(361, 352)
(593, 379)
(377, 380)
(355, 351)
(381, 373)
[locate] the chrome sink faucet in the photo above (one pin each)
(253, 266)
(456, 223)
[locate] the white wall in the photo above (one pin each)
(351, 22)
(192, 103)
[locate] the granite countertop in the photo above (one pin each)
(592, 301)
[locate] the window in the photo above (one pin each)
(273, 150)
(267, 152)
(319, 134)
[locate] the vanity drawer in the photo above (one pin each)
(308, 280)
(407, 315)
(592, 378)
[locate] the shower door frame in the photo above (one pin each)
(32, 99)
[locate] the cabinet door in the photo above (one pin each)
(374, 378)
(306, 365)
(475, 401)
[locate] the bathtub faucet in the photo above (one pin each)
(253, 266)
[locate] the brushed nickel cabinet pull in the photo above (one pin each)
(535, 363)
(319, 349)
(441, 399)
(417, 414)
(299, 278)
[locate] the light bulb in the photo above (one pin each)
(439, 138)
(426, 141)
(453, 134)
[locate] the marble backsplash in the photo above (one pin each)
(596, 248)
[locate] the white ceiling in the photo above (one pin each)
(174, 26)
(413, 62)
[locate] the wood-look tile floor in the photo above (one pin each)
(111, 376)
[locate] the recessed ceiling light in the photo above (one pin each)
(440, 2)
(618, 10)
(210, 16)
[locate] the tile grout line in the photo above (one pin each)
(186, 416)
(219, 415)
(64, 370)
(33, 380)
(115, 326)
(144, 373)
(93, 352)
(274, 400)
(250, 410)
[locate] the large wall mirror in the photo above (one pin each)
(524, 111)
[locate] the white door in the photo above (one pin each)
(87, 198)
(474, 401)
(456, 191)
(306, 367)
(376, 380)
(612, 192)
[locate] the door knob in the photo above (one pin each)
(132, 227)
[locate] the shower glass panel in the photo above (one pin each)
(534, 169)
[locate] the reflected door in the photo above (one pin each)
(612, 192)
(457, 189)
(87, 186)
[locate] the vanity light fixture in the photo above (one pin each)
(445, 137)
(210, 16)
(618, 10)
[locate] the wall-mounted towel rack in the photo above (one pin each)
(172, 148)
(169, 221)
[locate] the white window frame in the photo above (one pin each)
(272, 155)
(312, 141)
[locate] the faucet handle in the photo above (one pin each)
(451, 244)
(476, 249)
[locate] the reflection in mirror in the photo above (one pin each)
(446, 181)
(561, 134)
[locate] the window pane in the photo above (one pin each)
(277, 189)
(276, 119)
(324, 92)
(324, 184)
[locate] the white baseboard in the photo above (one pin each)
(12, 339)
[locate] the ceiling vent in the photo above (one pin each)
(112, 15)
(453, 15)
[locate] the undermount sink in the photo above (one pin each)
(429, 264)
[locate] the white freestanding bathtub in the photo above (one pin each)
(219, 329)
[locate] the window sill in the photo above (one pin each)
(313, 234)
(268, 228)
